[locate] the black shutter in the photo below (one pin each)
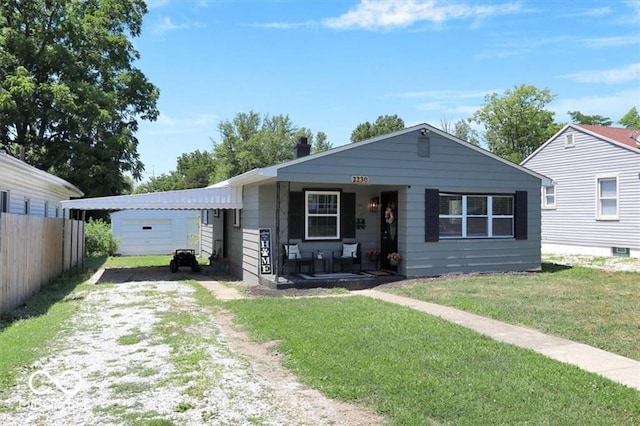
(296, 215)
(348, 215)
(520, 217)
(431, 215)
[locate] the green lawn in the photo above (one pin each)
(26, 332)
(418, 369)
(582, 304)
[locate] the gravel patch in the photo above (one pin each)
(128, 353)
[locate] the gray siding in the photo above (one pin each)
(573, 221)
(393, 164)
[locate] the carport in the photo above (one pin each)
(220, 196)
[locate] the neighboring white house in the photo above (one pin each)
(25, 189)
(143, 232)
(593, 205)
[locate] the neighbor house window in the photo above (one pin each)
(549, 197)
(46, 209)
(322, 215)
(4, 202)
(236, 218)
(27, 206)
(607, 197)
(569, 141)
(476, 216)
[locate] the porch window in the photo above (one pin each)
(476, 216)
(607, 197)
(322, 215)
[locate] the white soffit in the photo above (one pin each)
(213, 197)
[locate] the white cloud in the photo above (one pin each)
(389, 14)
(191, 123)
(165, 25)
(612, 76)
(614, 105)
(611, 41)
(596, 12)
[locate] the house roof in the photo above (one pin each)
(616, 135)
(25, 174)
(623, 135)
(228, 194)
(271, 172)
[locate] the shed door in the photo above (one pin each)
(145, 236)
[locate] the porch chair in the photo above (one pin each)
(293, 259)
(349, 255)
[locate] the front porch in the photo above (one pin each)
(351, 281)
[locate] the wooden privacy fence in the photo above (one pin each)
(33, 250)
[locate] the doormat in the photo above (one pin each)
(379, 273)
(337, 276)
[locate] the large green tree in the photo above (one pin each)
(194, 170)
(250, 141)
(70, 97)
(517, 122)
(631, 119)
(384, 124)
(598, 120)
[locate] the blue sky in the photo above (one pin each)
(333, 64)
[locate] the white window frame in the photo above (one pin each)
(599, 198)
(546, 195)
(46, 209)
(236, 218)
(569, 140)
(307, 215)
(489, 217)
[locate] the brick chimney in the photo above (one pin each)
(302, 148)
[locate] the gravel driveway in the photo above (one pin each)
(139, 352)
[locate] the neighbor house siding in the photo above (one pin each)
(574, 170)
(393, 164)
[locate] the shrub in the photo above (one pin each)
(99, 239)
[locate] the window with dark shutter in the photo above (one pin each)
(521, 210)
(431, 215)
(296, 215)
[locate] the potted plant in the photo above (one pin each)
(394, 258)
(373, 254)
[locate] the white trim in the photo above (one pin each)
(236, 217)
(307, 215)
(545, 195)
(212, 197)
(608, 177)
(569, 140)
(489, 216)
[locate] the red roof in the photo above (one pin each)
(618, 134)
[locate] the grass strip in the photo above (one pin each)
(26, 332)
(417, 369)
(587, 305)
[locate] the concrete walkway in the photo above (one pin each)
(606, 364)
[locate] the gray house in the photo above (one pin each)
(593, 204)
(445, 205)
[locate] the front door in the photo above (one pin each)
(388, 227)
